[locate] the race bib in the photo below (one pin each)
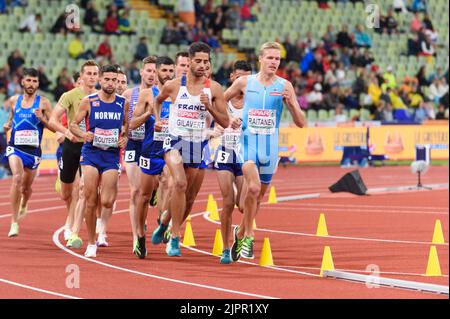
(167, 144)
(261, 121)
(222, 157)
(161, 136)
(82, 125)
(130, 156)
(144, 162)
(27, 137)
(105, 139)
(9, 150)
(139, 133)
(231, 137)
(190, 123)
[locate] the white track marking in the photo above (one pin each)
(205, 215)
(367, 210)
(237, 292)
(365, 206)
(37, 289)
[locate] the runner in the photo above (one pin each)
(107, 129)
(264, 94)
(70, 172)
(229, 168)
(136, 136)
(29, 113)
(193, 98)
(151, 160)
(102, 220)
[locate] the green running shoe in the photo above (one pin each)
(247, 248)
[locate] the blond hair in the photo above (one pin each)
(268, 46)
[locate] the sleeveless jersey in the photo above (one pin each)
(137, 134)
(105, 121)
(27, 129)
(230, 138)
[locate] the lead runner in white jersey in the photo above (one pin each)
(187, 127)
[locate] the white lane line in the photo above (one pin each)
(237, 292)
(205, 215)
(367, 210)
(363, 271)
(37, 289)
(365, 206)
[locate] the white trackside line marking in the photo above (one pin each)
(59, 245)
(37, 289)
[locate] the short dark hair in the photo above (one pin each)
(76, 76)
(32, 72)
(88, 63)
(181, 53)
(108, 68)
(150, 59)
(199, 47)
(242, 65)
(119, 69)
(163, 60)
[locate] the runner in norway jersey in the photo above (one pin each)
(105, 121)
(260, 122)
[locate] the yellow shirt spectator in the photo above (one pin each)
(375, 92)
(75, 48)
(397, 102)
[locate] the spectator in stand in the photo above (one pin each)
(217, 22)
(233, 17)
(350, 100)
(419, 5)
(414, 47)
(315, 98)
(2, 11)
(76, 49)
(362, 39)
(213, 42)
(246, 14)
(63, 84)
(3, 80)
(330, 76)
(124, 24)
(399, 6)
(343, 38)
(44, 82)
(198, 8)
(298, 51)
(427, 47)
(340, 116)
(374, 90)
(112, 24)
(391, 24)
(14, 86)
(440, 115)
(388, 112)
(134, 73)
(104, 51)
(60, 24)
(31, 23)
(317, 64)
(429, 29)
(223, 74)
(170, 34)
(416, 23)
(309, 43)
(437, 90)
(141, 49)
(422, 78)
(120, 4)
(366, 59)
(91, 17)
(332, 98)
(389, 78)
(288, 46)
(15, 60)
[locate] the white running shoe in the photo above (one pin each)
(101, 240)
(168, 245)
(14, 230)
(67, 234)
(91, 251)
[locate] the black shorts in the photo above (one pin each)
(70, 161)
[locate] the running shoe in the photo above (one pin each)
(67, 234)
(74, 242)
(91, 251)
(101, 240)
(158, 234)
(174, 247)
(154, 199)
(226, 257)
(98, 225)
(247, 248)
(139, 248)
(14, 230)
(166, 237)
(237, 246)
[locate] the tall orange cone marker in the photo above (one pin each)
(327, 260)
(266, 254)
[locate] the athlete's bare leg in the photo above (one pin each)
(133, 174)
(148, 183)
(91, 179)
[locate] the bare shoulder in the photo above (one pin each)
(172, 84)
(215, 86)
(127, 94)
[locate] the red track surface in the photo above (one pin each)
(390, 230)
